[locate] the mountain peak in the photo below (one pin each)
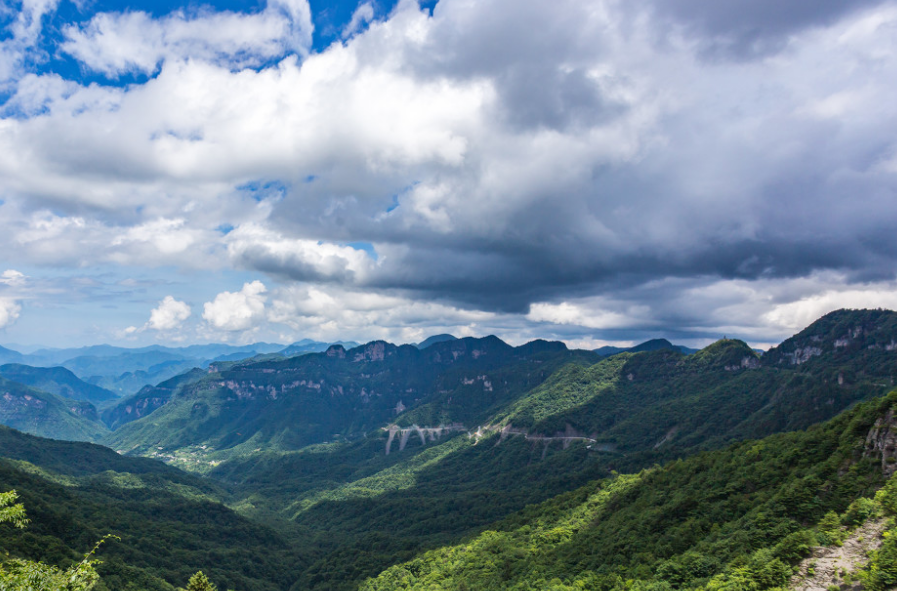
(729, 354)
(437, 338)
(840, 333)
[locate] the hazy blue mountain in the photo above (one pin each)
(439, 338)
(303, 346)
(652, 345)
(125, 371)
(10, 356)
(59, 381)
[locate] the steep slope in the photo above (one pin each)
(48, 415)
(845, 346)
(170, 524)
(148, 399)
(59, 381)
(736, 518)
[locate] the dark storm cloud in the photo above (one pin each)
(745, 29)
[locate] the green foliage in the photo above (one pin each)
(860, 511)
(26, 575)
(297, 443)
(881, 573)
(730, 519)
(831, 533)
(11, 512)
(166, 519)
(48, 415)
(887, 497)
(199, 582)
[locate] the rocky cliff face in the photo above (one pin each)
(881, 443)
(839, 335)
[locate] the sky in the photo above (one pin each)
(598, 172)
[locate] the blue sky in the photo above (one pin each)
(600, 172)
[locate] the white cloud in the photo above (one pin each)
(330, 313)
(577, 315)
(796, 315)
(118, 43)
(24, 32)
(13, 278)
(499, 156)
(362, 15)
(169, 237)
(9, 311)
(254, 246)
(238, 311)
(170, 314)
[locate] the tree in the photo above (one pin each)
(26, 575)
(10, 512)
(199, 582)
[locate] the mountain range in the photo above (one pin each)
(469, 463)
(125, 371)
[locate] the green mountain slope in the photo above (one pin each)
(48, 415)
(285, 404)
(843, 346)
(735, 518)
(171, 524)
(148, 399)
(59, 381)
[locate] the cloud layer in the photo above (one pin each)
(600, 170)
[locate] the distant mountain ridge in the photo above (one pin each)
(300, 400)
(438, 338)
(651, 345)
(57, 380)
(125, 371)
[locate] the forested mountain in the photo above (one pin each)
(59, 381)
(738, 518)
(365, 458)
(49, 415)
(169, 524)
(285, 404)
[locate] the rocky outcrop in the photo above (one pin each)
(829, 567)
(375, 351)
(881, 443)
(746, 363)
(802, 354)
